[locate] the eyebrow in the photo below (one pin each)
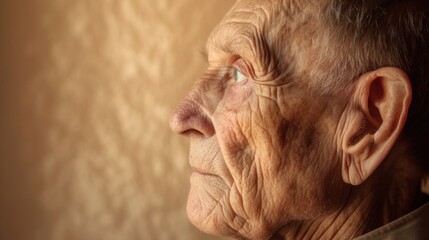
(224, 46)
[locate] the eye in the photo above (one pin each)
(238, 76)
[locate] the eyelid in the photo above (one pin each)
(243, 67)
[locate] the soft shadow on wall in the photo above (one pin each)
(86, 91)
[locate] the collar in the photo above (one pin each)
(414, 225)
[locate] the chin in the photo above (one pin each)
(205, 205)
(209, 210)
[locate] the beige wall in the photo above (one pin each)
(86, 88)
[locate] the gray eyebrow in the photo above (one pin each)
(225, 47)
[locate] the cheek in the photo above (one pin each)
(233, 122)
(237, 95)
(280, 155)
(232, 118)
(250, 133)
(309, 174)
(309, 170)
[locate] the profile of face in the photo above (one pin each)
(262, 149)
(265, 147)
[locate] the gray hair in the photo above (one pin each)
(365, 35)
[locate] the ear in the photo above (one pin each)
(374, 120)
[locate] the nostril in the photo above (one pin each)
(189, 119)
(192, 133)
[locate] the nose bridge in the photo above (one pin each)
(206, 93)
(193, 114)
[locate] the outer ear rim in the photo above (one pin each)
(362, 159)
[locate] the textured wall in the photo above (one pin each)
(86, 88)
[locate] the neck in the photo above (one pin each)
(361, 213)
(353, 219)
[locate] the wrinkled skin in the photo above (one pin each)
(263, 144)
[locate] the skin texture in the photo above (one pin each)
(271, 157)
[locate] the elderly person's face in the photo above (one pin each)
(264, 149)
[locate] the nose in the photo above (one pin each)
(189, 119)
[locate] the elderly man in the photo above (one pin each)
(311, 121)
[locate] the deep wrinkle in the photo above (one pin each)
(284, 149)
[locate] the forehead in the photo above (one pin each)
(276, 12)
(290, 5)
(257, 29)
(251, 18)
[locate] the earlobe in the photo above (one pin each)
(374, 121)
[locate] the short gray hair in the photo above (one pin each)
(364, 35)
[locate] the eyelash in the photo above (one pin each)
(238, 74)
